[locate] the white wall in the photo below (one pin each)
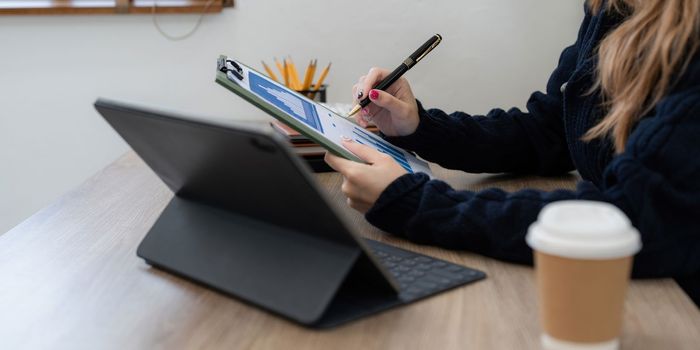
(52, 68)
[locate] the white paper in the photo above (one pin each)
(320, 119)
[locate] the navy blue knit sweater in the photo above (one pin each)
(656, 181)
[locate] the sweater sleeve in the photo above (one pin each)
(510, 141)
(656, 182)
(500, 142)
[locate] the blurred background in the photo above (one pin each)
(52, 68)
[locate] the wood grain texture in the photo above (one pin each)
(70, 278)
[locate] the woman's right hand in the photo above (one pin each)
(394, 111)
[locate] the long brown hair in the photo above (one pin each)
(638, 60)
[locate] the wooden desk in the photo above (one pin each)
(70, 278)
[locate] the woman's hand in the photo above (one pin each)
(393, 111)
(363, 183)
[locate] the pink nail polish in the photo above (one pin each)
(365, 112)
(373, 94)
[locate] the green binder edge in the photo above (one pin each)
(300, 127)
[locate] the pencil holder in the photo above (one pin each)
(316, 95)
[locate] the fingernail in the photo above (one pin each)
(359, 94)
(345, 138)
(365, 112)
(373, 94)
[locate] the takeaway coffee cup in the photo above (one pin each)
(583, 257)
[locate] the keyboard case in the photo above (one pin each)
(248, 219)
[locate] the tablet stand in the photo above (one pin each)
(312, 281)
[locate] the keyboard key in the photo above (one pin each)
(389, 249)
(436, 279)
(468, 274)
(406, 279)
(424, 267)
(423, 259)
(471, 273)
(419, 275)
(425, 284)
(446, 273)
(455, 268)
(416, 273)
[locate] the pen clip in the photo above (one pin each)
(430, 48)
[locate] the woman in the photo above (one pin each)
(622, 108)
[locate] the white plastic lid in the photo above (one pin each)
(584, 230)
(550, 343)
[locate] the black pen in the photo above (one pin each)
(401, 69)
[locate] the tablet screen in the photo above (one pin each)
(317, 119)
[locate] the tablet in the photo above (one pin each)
(306, 116)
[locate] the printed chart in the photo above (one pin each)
(288, 103)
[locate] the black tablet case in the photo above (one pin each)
(248, 220)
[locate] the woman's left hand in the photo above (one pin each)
(363, 183)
